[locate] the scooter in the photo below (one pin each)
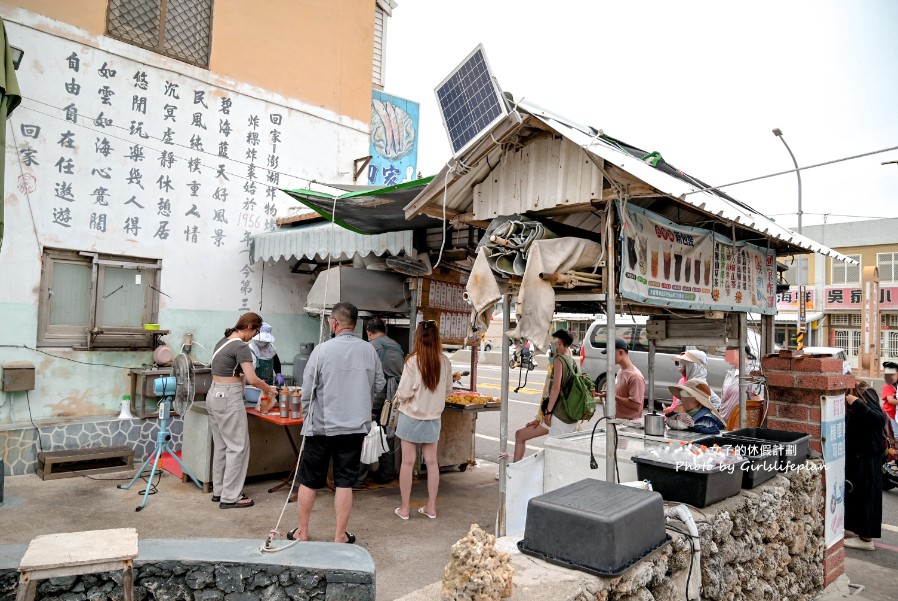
(890, 475)
(522, 360)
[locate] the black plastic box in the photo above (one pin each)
(783, 439)
(762, 463)
(593, 526)
(692, 486)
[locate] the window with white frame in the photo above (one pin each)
(856, 319)
(890, 345)
(893, 321)
(382, 11)
(91, 300)
(839, 319)
(888, 266)
(855, 342)
(845, 273)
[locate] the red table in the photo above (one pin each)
(286, 422)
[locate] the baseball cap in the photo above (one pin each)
(619, 343)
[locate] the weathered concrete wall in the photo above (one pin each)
(312, 571)
(18, 447)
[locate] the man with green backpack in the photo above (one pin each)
(570, 397)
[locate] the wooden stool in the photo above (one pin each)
(75, 553)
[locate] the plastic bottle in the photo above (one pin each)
(264, 403)
(295, 405)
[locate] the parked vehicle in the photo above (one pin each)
(830, 351)
(632, 329)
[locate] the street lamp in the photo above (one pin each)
(779, 134)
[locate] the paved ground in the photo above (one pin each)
(408, 555)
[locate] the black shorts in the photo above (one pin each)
(345, 450)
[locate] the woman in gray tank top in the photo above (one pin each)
(232, 361)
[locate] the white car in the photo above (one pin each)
(830, 351)
(632, 329)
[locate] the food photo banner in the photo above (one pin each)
(667, 264)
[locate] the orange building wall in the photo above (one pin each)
(319, 52)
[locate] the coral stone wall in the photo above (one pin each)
(764, 544)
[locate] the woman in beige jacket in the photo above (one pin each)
(426, 382)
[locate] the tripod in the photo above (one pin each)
(163, 388)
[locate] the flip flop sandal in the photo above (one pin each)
(399, 515)
(422, 511)
(217, 498)
(292, 534)
(240, 503)
(350, 538)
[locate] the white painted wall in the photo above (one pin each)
(207, 278)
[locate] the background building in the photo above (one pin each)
(834, 292)
(149, 147)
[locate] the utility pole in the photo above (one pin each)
(802, 306)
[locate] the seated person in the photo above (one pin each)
(695, 412)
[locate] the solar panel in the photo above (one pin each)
(470, 101)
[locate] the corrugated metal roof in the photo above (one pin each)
(455, 187)
(320, 240)
(703, 200)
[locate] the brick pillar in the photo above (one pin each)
(795, 387)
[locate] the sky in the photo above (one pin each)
(701, 82)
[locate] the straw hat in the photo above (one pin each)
(698, 390)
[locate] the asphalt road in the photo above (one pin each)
(876, 570)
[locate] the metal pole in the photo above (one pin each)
(743, 390)
(651, 375)
(779, 134)
(503, 412)
(610, 311)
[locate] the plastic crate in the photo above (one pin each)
(794, 445)
(697, 487)
(762, 463)
(597, 527)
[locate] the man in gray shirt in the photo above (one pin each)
(392, 360)
(340, 379)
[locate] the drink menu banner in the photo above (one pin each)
(671, 265)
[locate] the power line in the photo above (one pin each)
(832, 215)
(754, 179)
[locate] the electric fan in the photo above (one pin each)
(185, 376)
(176, 390)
